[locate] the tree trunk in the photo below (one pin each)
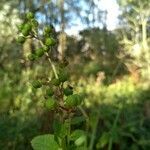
(62, 36)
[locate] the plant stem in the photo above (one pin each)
(93, 134)
(52, 65)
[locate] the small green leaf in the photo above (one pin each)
(104, 139)
(44, 142)
(79, 137)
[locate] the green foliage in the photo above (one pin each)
(54, 99)
(44, 142)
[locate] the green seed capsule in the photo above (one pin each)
(25, 32)
(48, 29)
(49, 92)
(78, 99)
(70, 101)
(73, 100)
(68, 91)
(50, 104)
(27, 27)
(21, 39)
(34, 23)
(63, 76)
(45, 48)
(20, 27)
(55, 82)
(31, 57)
(29, 15)
(39, 52)
(50, 42)
(36, 84)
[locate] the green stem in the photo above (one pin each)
(51, 63)
(94, 133)
(110, 144)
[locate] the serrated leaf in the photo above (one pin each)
(44, 142)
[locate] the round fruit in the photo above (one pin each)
(36, 84)
(63, 76)
(45, 48)
(27, 27)
(34, 23)
(47, 29)
(20, 27)
(68, 91)
(51, 104)
(49, 92)
(31, 57)
(70, 101)
(25, 32)
(73, 100)
(55, 82)
(50, 42)
(29, 15)
(39, 52)
(21, 39)
(78, 99)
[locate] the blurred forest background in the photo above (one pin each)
(111, 69)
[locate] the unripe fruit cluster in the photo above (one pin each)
(52, 102)
(57, 91)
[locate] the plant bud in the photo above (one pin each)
(34, 23)
(31, 57)
(27, 27)
(63, 76)
(50, 42)
(39, 52)
(73, 100)
(68, 91)
(50, 104)
(49, 92)
(21, 39)
(29, 15)
(20, 27)
(25, 32)
(48, 29)
(70, 101)
(45, 48)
